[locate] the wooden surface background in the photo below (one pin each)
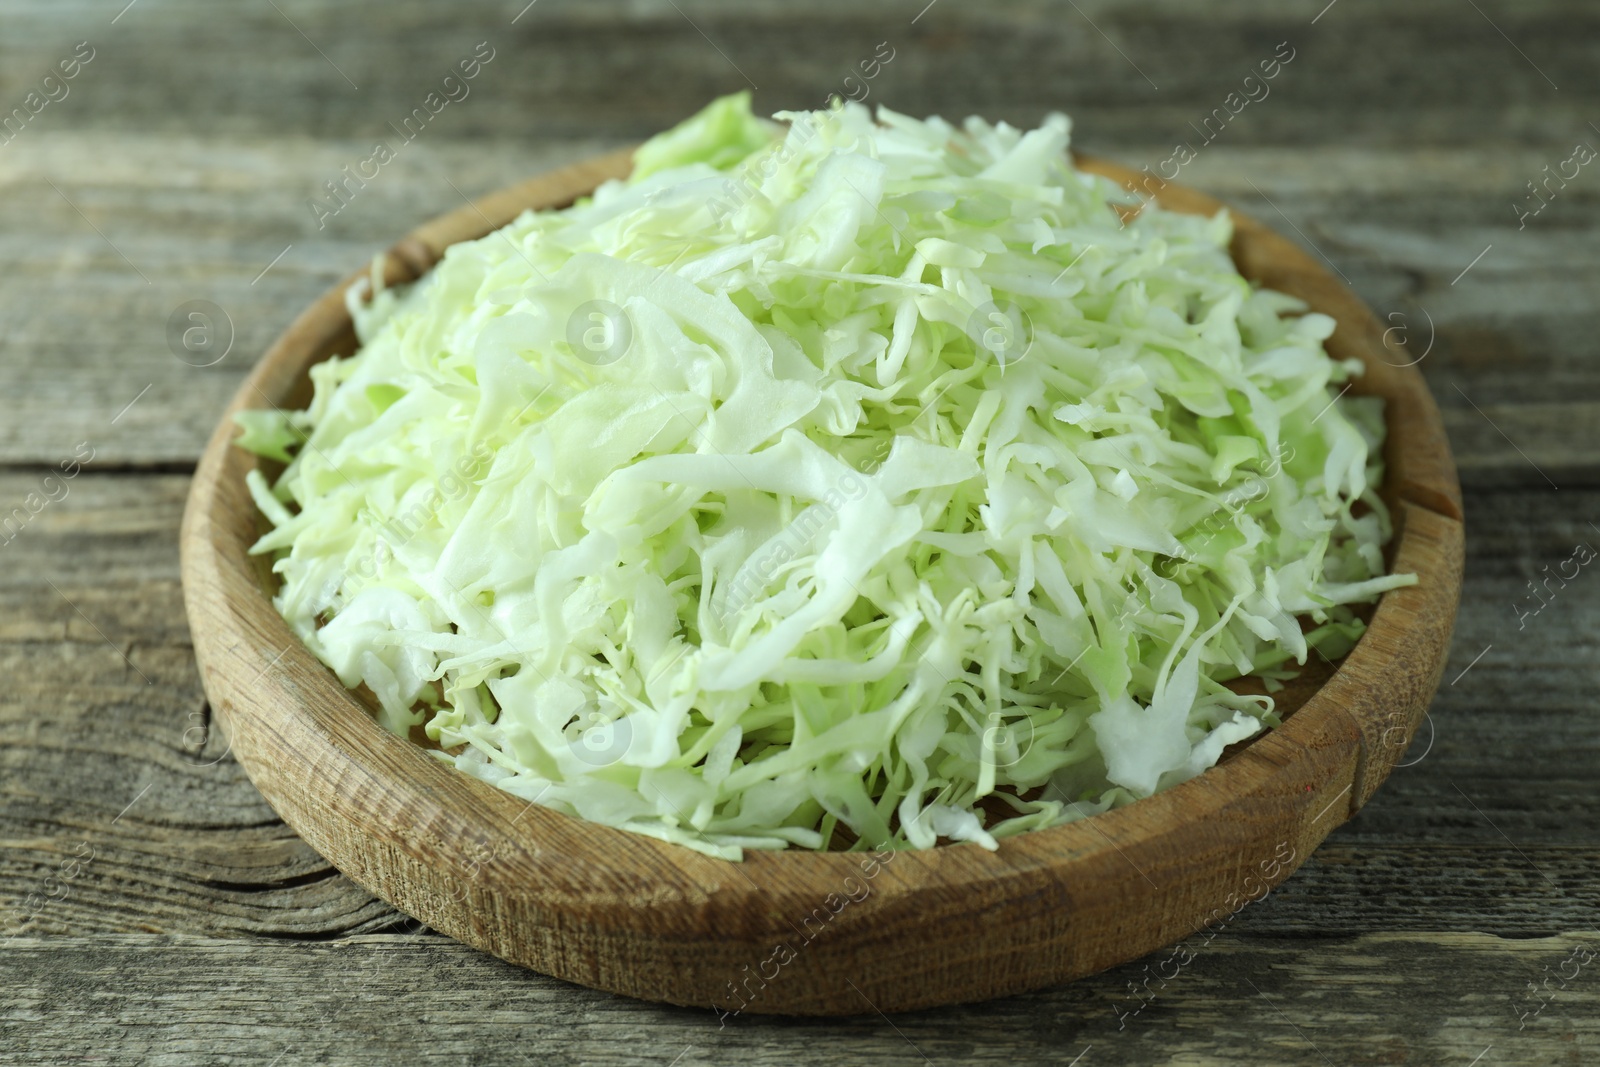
(154, 910)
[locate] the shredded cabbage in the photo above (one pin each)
(847, 483)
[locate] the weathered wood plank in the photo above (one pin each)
(1365, 71)
(105, 710)
(381, 999)
(1518, 335)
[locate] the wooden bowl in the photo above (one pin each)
(802, 932)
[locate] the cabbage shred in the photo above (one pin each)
(837, 483)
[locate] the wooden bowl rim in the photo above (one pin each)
(487, 868)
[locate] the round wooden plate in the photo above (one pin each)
(802, 932)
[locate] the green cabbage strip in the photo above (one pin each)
(829, 477)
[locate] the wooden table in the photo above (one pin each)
(154, 909)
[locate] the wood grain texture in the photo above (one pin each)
(633, 915)
(376, 1000)
(1395, 146)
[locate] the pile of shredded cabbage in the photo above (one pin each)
(843, 483)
